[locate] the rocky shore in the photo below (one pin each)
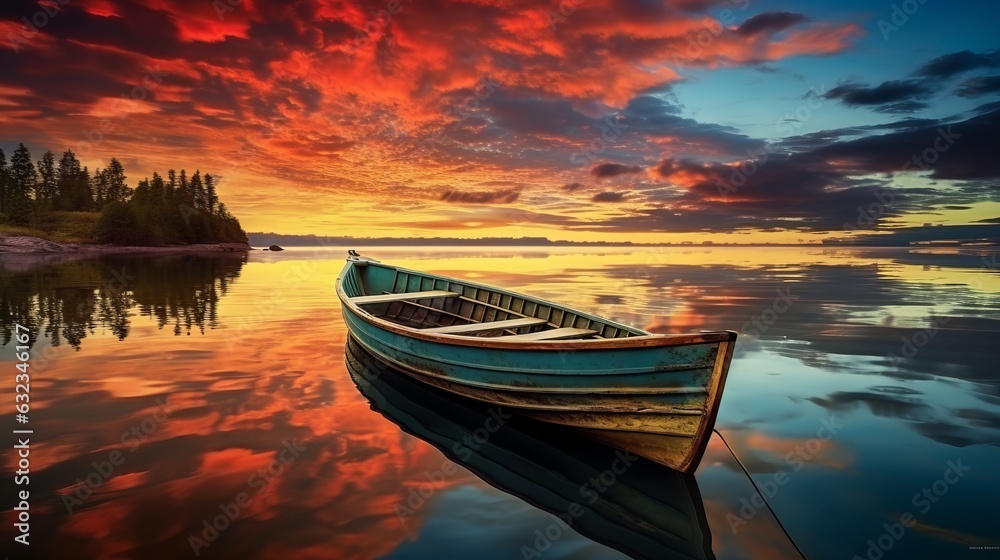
(34, 245)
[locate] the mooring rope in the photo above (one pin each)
(762, 497)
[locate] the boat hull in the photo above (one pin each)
(658, 401)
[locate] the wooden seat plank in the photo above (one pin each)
(487, 326)
(553, 334)
(385, 298)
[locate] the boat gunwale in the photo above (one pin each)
(640, 341)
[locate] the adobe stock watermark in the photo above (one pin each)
(103, 470)
(900, 15)
(759, 324)
(592, 491)
(33, 24)
(464, 449)
(923, 501)
(796, 459)
(913, 342)
(231, 511)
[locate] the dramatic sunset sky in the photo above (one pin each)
(730, 121)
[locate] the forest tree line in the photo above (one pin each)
(177, 209)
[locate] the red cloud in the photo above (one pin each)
(327, 96)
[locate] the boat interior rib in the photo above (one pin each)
(438, 306)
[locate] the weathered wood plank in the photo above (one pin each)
(487, 326)
(553, 334)
(385, 298)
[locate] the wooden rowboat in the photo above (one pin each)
(654, 395)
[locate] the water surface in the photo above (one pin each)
(218, 384)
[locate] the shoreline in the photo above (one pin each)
(26, 245)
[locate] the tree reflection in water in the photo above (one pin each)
(66, 301)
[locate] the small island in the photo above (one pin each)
(50, 207)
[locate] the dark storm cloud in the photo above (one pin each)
(614, 169)
(608, 197)
(573, 187)
(813, 140)
(512, 111)
(522, 113)
(480, 197)
(654, 117)
(797, 191)
(979, 86)
(534, 127)
(817, 186)
(120, 72)
(139, 29)
(213, 92)
(958, 62)
(854, 94)
(934, 77)
(769, 22)
(967, 150)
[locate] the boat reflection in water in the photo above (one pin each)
(647, 510)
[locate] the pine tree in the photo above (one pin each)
(183, 194)
(157, 189)
(67, 177)
(118, 191)
(142, 195)
(46, 190)
(171, 185)
(83, 196)
(22, 172)
(21, 183)
(198, 198)
(213, 198)
(99, 186)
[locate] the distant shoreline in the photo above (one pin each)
(26, 245)
(975, 236)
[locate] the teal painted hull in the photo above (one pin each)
(654, 395)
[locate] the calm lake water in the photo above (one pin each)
(169, 391)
